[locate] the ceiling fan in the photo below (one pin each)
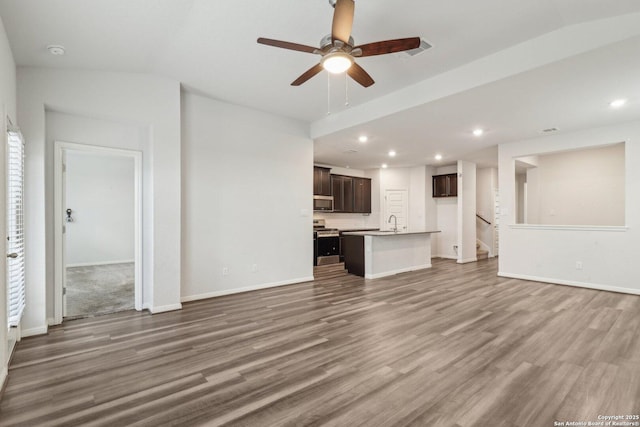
(338, 51)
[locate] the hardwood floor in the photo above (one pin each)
(451, 346)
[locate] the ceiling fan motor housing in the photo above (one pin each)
(327, 42)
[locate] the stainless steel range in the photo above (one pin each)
(326, 241)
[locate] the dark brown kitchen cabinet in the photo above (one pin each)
(362, 195)
(342, 189)
(445, 185)
(321, 181)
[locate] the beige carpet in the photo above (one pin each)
(99, 289)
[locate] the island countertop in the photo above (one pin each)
(388, 233)
(374, 254)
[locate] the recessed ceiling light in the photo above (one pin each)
(392, 153)
(55, 49)
(617, 103)
(438, 157)
(478, 132)
(384, 166)
(363, 138)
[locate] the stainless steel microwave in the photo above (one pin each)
(323, 203)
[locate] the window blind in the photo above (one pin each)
(15, 228)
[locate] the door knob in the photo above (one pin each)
(13, 255)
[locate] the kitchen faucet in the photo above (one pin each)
(395, 220)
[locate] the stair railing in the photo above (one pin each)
(484, 220)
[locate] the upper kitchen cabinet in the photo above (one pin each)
(362, 195)
(445, 185)
(342, 187)
(321, 181)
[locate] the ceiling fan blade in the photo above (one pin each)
(358, 74)
(287, 45)
(342, 20)
(307, 75)
(388, 46)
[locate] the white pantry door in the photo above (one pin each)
(396, 202)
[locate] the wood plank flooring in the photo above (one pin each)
(451, 346)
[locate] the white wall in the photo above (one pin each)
(486, 184)
(100, 191)
(7, 76)
(417, 198)
(247, 185)
(98, 132)
(545, 253)
(579, 187)
(136, 99)
(413, 181)
(344, 171)
(531, 212)
(521, 181)
(447, 214)
(7, 108)
(466, 212)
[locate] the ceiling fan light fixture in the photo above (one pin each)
(337, 62)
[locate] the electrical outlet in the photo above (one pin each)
(578, 265)
(254, 268)
(225, 271)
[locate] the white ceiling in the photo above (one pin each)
(210, 47)
(569, 95)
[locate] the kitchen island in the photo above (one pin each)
(374, 254)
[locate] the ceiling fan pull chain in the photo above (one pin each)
(328, 94)
(346, 90)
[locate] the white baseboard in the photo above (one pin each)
(40, 330)
(595, 286)
(464, 261)
(88, 264)
(165, 308)
(51, 321)
(447, 257)
(245, 289)
(393, 272)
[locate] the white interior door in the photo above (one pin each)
(396, 203)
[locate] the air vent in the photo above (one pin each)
(423, 46)
(549, 130)
(351, 152)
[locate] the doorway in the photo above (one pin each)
(97, 217)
